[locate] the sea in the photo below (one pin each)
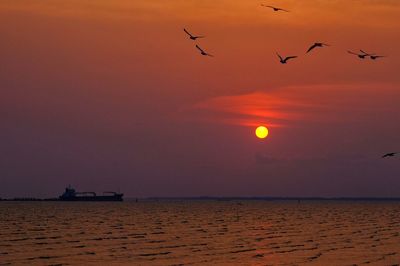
(200, 232)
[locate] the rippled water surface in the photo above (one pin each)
(200, 232)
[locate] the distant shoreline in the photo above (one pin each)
(279, 198)
(155, 199)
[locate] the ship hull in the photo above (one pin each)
(93, 198)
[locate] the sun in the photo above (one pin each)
(261, 132)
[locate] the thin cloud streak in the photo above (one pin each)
(291, 105)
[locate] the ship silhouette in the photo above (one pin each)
(70, 194)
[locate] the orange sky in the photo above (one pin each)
(118, 83)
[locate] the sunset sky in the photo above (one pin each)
(108, 95)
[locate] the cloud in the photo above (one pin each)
(291, 105)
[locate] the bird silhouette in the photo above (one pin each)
(275, 8)
(203, 52)
(362, 56)
(284, 60)
(390, 154)
(315, 45)
(372, 56)
(192, 37)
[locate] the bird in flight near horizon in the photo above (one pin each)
(203, 52)
(362, 56)
(317, 44)
(275, 8)
(284, 60)
(192, 37)
(390, 154)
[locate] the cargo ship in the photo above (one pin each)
(71, 195)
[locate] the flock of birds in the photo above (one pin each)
(194, 38)
(283, 60)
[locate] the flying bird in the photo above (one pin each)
(391, 154)
(372, 56)
(192, 37)
(362, 56)
(284, 60)
(203, 52)
(275, 8)
(317, 44)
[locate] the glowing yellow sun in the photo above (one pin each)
(261, 132)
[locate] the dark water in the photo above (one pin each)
(200, 232)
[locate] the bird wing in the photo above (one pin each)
(268, 6)
(199, 36)
(198, 47)
(389, 154)
(364, 52)
(280, 57)
(350, 52)
(290, 57)
(312, 47)
(283, 9)
(187, 32)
